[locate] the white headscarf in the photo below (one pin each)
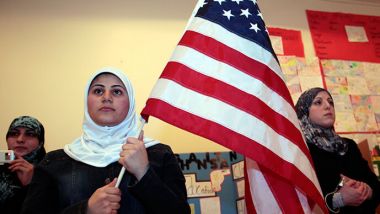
(100, 145)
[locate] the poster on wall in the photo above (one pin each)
(355, 88)
(286, 42)
(299, 73)
(345, 36)
(214, 182)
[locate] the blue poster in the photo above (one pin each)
(214, 182)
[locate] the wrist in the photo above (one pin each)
(337, 200)
(142, 172)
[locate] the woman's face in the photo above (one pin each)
(22, 141)
(107, 101)
(321, 111)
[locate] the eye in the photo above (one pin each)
(30, 134)
(331, 102)
(317, 102)
(13, 134)
(98, 91)
(117, 92)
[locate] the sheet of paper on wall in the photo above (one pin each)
(293, 85)
(337, 85)
(197, 188)
(290, 65)
(356, 33)
(240, 185)
(308, 81)
(342, 68)
(277, 45)
(210, 205)
(342, 103)
(363, 113)
(240, 205)
(345, 120)
(217, 178)
(371, 73)
(375, 101)
(310, 68)
(357, 86)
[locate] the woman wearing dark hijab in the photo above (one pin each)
(25, 137)
(348, 184)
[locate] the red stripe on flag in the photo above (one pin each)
(283, 191)
(236, 59)
(231, 140)
(248, 103)
(247, 193)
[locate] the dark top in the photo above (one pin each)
(329, 166)
(63, 185)
(12, 193)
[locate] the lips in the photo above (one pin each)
(19, 148)
(106, 109)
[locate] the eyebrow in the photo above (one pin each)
(101, 85)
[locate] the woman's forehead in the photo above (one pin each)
(323, 94)
(107, 77)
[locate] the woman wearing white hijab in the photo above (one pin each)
(81, 178)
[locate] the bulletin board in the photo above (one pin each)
(300, 74)
(349, 48)
(345, 36)
(214, 182)
(353, 79)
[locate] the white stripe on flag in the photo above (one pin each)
(238, 43)
(304, 202)
(208, 66)
(262, 196)
(248, 126)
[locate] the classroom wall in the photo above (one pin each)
(49, 48)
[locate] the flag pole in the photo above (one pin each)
(122, 171)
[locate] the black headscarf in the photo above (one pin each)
(9, 183)
(323, 138)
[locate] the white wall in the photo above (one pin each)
(50, 47)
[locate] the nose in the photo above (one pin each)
(20, 138)
(327, 104)
(107, 96)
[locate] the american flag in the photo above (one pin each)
(223, 82)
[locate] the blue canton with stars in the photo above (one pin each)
(241, 17)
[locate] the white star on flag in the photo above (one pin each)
(260, 15)
(227, 14)
(220, 1)
(254, 27)
(237, 1)
(245, 13)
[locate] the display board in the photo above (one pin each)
(347, 64)
(214, 182)
(345, 36)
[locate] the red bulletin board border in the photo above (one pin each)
(291, 41)
(330, 38)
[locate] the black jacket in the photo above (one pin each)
(329, 166)
(63, 185)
